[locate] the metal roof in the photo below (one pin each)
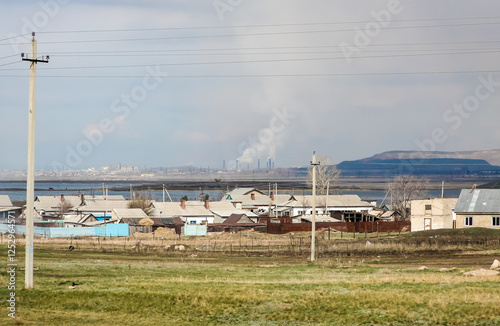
(244, 191)
(478, 201)
(341, 201)
(129, 213)
(171, 209)
(5, 201)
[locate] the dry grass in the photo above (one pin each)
(205, 288)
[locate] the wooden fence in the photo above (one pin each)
(352, 227)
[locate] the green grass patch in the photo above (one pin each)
(179, 289)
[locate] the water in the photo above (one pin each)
(69, 189)
(96, 188)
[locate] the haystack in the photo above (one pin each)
(146, 221)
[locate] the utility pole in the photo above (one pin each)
(313, 231)
(30, 183)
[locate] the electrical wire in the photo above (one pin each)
(251, 34)
(260, 61)
(275, 75)
(262, 25)
(162, 53)
(204, 50)
(10, 63)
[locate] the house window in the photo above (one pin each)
(468, 221)
(428, 208)
(495, 220)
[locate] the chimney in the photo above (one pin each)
(183, 204)
(238, 205)
(272, 195)
(62, 197)
(252, 196)
(207, 204)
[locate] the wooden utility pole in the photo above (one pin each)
(30, 184)
(313, 231)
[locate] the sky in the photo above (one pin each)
(173, 83)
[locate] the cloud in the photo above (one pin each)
(364, 110)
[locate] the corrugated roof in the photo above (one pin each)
(221, 206)
(333, 201)
(51, 203)
(478, 201)
(236, 219)
(243, 191)
(234, 211)
(5, 201)
(79, 219)
(259, 200)
(99, 205)
(171, 209)
(129, 213)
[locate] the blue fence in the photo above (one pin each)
(110, 230)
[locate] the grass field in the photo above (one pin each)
(131, 287)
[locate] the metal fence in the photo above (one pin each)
(110, 230)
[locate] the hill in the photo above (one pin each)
(490, 156)
(432, 164)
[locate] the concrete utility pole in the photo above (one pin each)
(313, 231)
(30, 184)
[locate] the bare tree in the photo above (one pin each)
(63, 207)
(326, 174)
(143, 203)
(404, 189)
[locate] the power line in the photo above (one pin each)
(17, 36)
(261, 25)
(254, 34)
(10, 63)
(10, 56)
(277, 47)
(162, 53)
(265, 61)
(274, 75)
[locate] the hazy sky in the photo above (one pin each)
(169, 83)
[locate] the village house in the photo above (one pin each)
(432, 214)
(222, 210)
(325, 205)
(6, 208)
(97, 205)
(79, 220)
(256, 203)
(478, 208)
(190, 212)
